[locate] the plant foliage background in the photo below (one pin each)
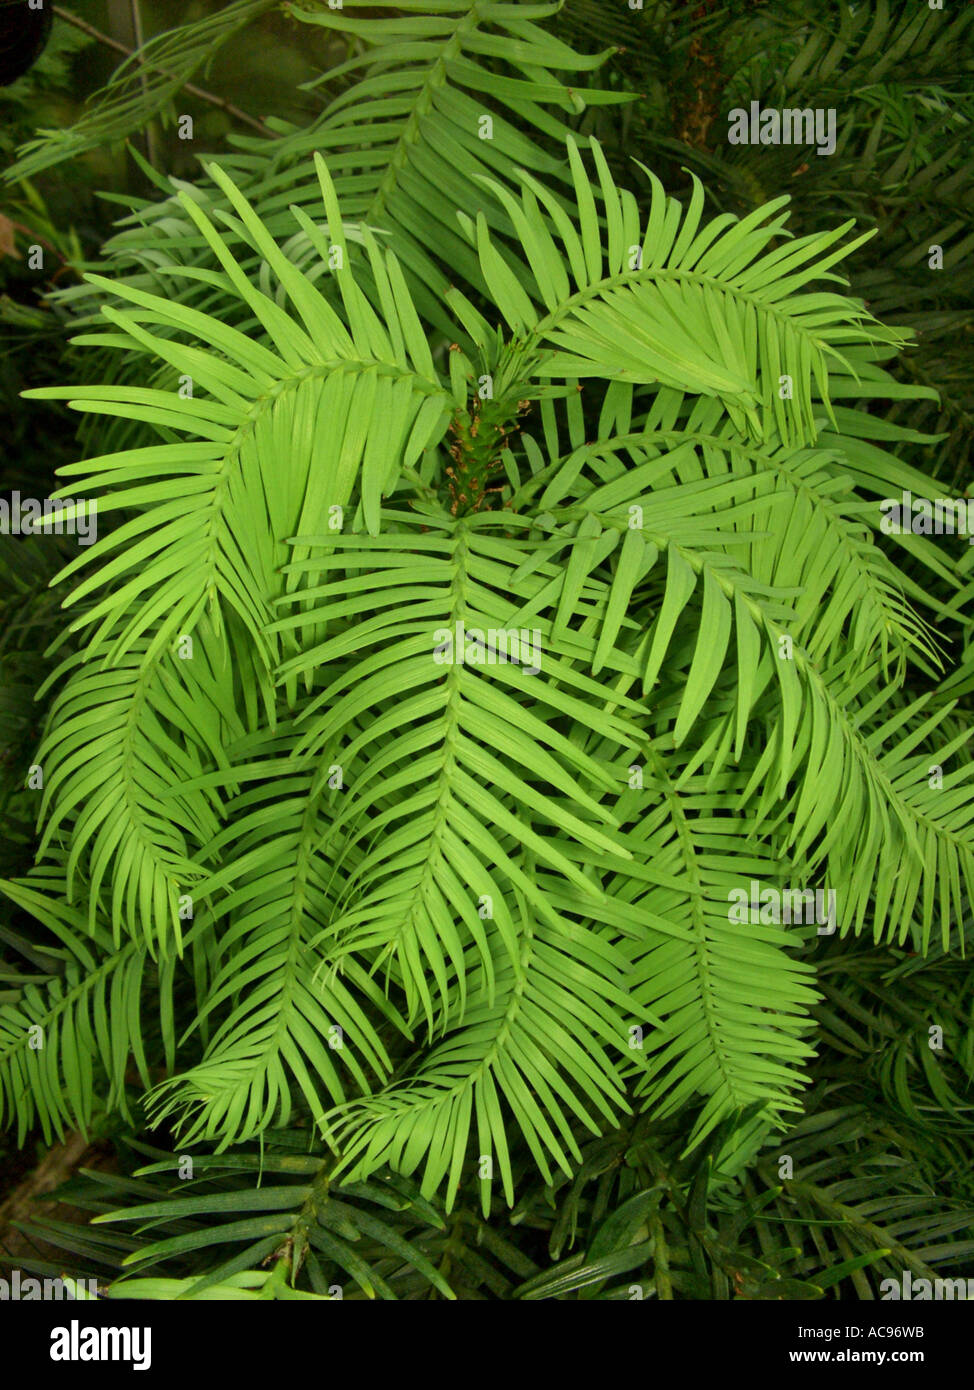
(397, 979)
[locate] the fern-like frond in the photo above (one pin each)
(68, 1036)
(141, 88)
(207, 548)
(708, 309)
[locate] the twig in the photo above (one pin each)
(190, 87)
(138, 36)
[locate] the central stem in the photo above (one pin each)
(480, 434)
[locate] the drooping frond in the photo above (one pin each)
(430, 104)
(69, 1032)
(706, 309)
(142, 87)
(286, 1018)
(208, 551)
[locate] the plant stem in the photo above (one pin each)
(190, 87)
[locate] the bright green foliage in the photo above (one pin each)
(468, 919)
